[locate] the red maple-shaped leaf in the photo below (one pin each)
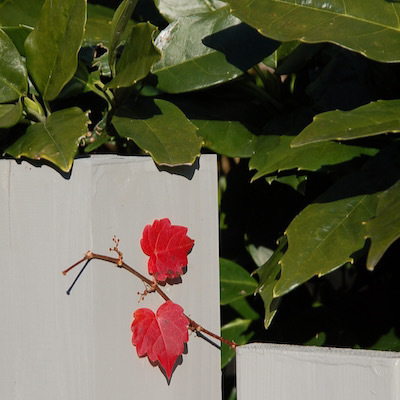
(168, 247)
(162, 335)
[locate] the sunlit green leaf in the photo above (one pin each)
(269, 274)
(52, 48)
(233, 331)
(173, 9)
(119, 23)
(274, 154)
(372, 119)
(138, 56)
(235, 282)
(10, 114)
(369, 27)
(229, 138)
(13, 77)
(161, 129)
(56, 139)
(331, 231)
(384, 229)
(198, 66)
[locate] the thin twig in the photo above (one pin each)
(193, 326)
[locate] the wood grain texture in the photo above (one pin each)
(283, 372)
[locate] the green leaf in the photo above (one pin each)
(233, 331)
(260, 254)
(198, 66)
(229, 138)
(56, 139)
(20, 12)
(296, 182)
(370, 28)
(138, 56)
(235, 282)
(52, 48)
(372, 119)
(98, 25)
(10, 114)
(384, 229)
(269, 274)
(331, 231)
(242, 307)
(160, 129)
(274, 154)
(281, 53)
(390, 341)
(13, 77)
(119, 23)
(18, 35)
(171, 10)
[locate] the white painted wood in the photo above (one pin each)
(283, 372)
(78, 347)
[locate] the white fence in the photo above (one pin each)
(282, 372)
(78, 347)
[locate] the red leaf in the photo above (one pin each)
(162, 335)
(168, 247)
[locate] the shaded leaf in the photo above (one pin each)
(167, 246)
(160, 129)
(331, 231)
(371, 29)
(390, 341)
(56, 139)
(274, 154)
(242, 307)
(119, 23)
(138, 56)
(371, 119)
(296, 182)
(269, 274)
(172, 9)
(233, 331)
(160, 336)
(20, 12)
(384, 229)
(13, 77)
(198, 66)
(280, 54)
(235, 282)
(10, 114)
(229, 138)
(52, 48)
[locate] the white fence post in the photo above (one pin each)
(78, 347)
(283, 372)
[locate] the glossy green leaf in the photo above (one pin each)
(234, 331)
(13, 77)
(20, 12)
(52, 48)
(370, 28)
(10, 114)
(372, 119)
(55, 140)
(198, 66)
(384, 229)
(274, 154)
(119, 23)
(269, 274)
(243, 308)
(229, 138)
(138, 56)
(235, 282)
(171, 10)
(160, 129)
(18, 35)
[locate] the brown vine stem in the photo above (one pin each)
(193, 326)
